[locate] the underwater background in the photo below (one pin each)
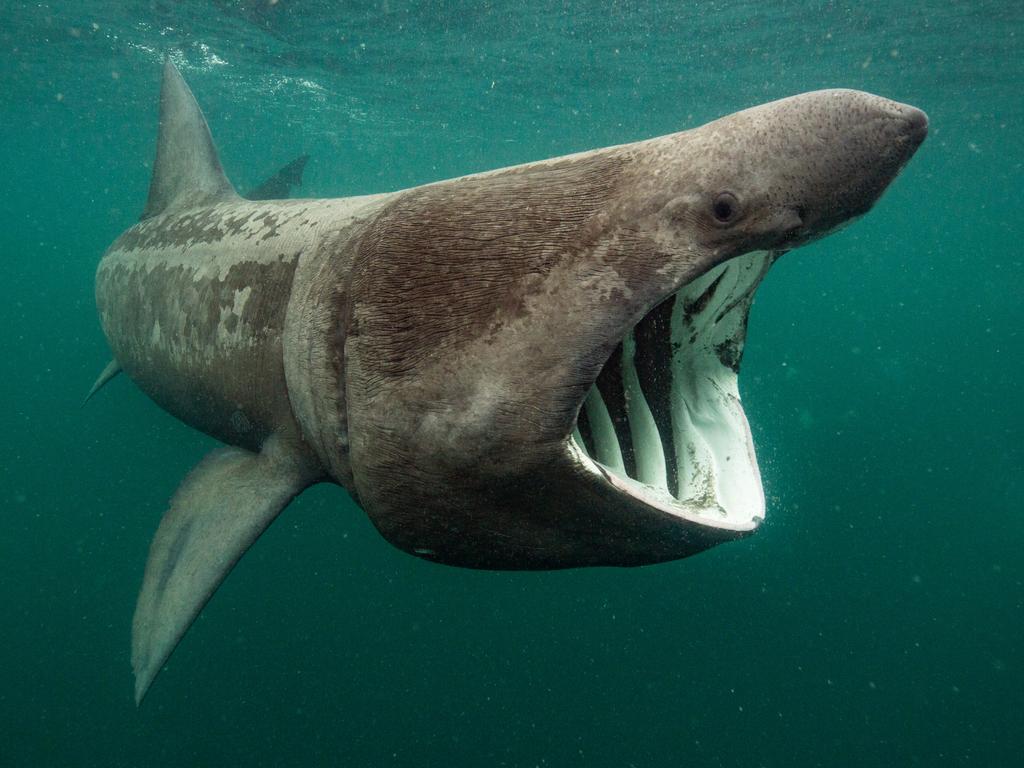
(877, 618)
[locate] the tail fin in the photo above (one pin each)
(187, 172)
(279, 186)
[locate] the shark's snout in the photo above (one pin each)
(917, 124)
(848, 147)
(889, 130)
(911, 128)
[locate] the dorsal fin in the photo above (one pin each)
(187, 172)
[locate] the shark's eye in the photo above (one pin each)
(725, 208)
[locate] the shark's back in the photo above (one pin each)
(193, 299)
(194, 303)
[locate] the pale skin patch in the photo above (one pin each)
(232, 331)
(255, 232)
(241, 296)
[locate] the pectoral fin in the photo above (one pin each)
(219, 510)
(113, 368)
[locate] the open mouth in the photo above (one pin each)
(663, 422)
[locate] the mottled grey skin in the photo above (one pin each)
(429, 349)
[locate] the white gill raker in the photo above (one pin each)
(715, 467)
(695, 466)
(737, 474)
(578, 439)
(602, 432)
(749, 272)
(694, 458)
(647, 450)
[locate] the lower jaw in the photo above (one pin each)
(664, 423)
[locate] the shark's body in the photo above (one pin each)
(533, 367)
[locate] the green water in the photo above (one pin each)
(877, 619)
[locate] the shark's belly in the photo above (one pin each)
(194, 307)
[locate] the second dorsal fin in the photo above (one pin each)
(187, 172)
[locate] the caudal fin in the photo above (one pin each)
(279, 186)
(187, 172)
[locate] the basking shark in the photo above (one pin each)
(529, 368)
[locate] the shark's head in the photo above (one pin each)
(541, 363)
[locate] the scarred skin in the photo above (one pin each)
(430, 349)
